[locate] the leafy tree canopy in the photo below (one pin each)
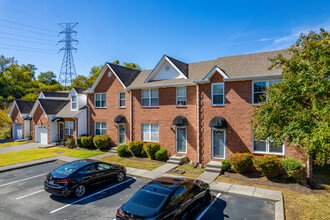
(48, 78)
(297, 109)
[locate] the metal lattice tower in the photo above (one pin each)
(68, 70)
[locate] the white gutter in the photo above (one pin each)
(308, 161)
(197, 123)
(252, 77)
(162, 86)
(131, 116)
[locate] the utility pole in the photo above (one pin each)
(68, 70)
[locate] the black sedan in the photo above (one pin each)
(166, 198)
(73, 178)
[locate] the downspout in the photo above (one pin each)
(308, 161)
(88, 119)
(197, 122)
(131, 116)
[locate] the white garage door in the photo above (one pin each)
(41, 134)
(17, 131)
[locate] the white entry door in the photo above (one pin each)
(121, 134)
(41, 134)
(181, 139)
(17, 131)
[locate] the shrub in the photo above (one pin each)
(151, 149)
(241, 162)
(144, 153)
(101, 141)
(269, 165)
(225, 165)
(294, 169)
(123, 151)
(136, 147)
(87, 141)
(69, 142)
(78, 140)
(161, 154)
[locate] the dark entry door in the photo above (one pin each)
(61, 131)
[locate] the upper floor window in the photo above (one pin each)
(69, 125)
(100, 100)
(74, 102)
(150, 97)
(259, 91)
(181, 96)
(100, 128)
(218, 94)
(267, 146)
(121, 99)
(150, 132)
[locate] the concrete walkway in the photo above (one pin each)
(208, 177)
(24, 147)
(159, 171)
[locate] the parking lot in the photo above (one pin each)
(22, 197)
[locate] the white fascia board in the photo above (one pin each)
(162, 86)
(12, 108)
(154, 70)
(184, 76)
(91, 90)
(116, 76)
(212, 72)
(260, 77)
(35, 108)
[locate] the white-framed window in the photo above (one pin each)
(267, 147)
(74, 102)
(100, 128)
(121, 134)
(149, 97)
(218, 143)
(259, 90)
(121, 98)
(69, 126)
(218, 94)
(100, 100)
(181, 96)
(150, 132)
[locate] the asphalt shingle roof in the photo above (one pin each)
(24, 107)
(126, 75)
(183, 67)
(59, 94)
(53, 106)
(80, 90)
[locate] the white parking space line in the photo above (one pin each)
(207, 208)
(79, 200)
(17, 181)
(30, 194)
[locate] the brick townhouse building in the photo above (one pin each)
(202, 110)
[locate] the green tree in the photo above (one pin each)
(48, 78)
(5, 63)
(80, 81)
(4, 124)
(297, 110)
(30, 97)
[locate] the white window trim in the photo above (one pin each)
(176, 138)
(100, 100)
(267, 148)
(149, 125)
(119, 133)
(149, 98)
(225, 146)
(69, 128)
(100, 127)
(121, 99)
(212, 84)
(180, 96)
(267, 87)
(74, 109)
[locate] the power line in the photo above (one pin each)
(1, 25)
(19, 35)
(12, 22)
(26, 41)
(11, 45)
(26, 50)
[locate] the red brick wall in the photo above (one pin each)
(16, 118)
(163, 115)
(74, 129)
(111, 86)
(39, 118)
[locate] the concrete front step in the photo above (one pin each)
(177, 159)
(212, 170)
(214, 167)
(113, 150)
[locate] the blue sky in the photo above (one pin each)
(141, 31)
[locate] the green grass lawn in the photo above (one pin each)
(130, 162)
(35, 154)
(7, 144)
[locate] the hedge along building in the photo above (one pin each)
(202, 110)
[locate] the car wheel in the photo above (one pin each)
(80, 190)
(120, 176)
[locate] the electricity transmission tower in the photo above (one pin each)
(68, 70)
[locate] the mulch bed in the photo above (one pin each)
(145, 160)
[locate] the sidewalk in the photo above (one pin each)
(23, 147)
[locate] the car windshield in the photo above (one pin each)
(149, 199)
(67, 169)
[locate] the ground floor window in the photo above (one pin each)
(150, 132)
(69, 125)
(121, 134)
(267, 146)
(218, 143)
(100, 128)
(181, 139)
